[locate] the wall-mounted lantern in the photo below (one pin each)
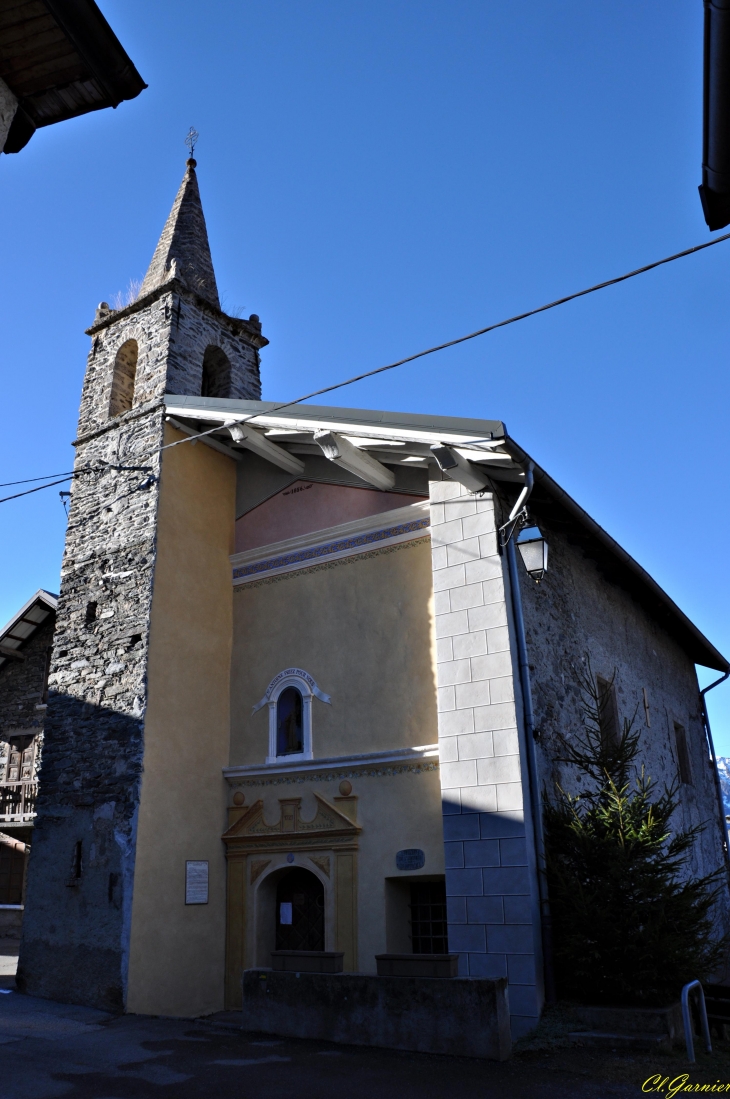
(533, 551)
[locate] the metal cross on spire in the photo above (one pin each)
(191, 141)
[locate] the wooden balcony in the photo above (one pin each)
(17, 802)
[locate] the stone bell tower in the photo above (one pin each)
(174, 338)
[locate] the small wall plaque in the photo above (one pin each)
(410, 859)
(196, 882)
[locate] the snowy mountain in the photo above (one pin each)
(723, 767)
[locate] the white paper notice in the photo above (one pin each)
(196, 882)
(285, 913)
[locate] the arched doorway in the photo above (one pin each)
(299, 911)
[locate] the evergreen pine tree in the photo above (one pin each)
(629, 925)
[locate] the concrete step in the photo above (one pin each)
(604, 1039)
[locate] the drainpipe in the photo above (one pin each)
(529, 719)
(715, 189)
(713, 757)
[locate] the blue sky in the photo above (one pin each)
(379, 176)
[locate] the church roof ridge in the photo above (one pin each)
(183, 250)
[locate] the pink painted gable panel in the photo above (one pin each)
(306, 506)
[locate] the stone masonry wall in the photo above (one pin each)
(490, 875)
(575, 611)
(195, 327)
(172, 330)
(81, 872)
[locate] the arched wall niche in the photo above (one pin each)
(123, 378)
(216, 373)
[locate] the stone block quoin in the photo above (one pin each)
(490, 874)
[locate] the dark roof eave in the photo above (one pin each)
(96, 43)
(105, 78)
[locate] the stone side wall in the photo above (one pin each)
(490, 875)
(575, 611)
(172, 330)
(22, 683)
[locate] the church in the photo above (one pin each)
(306, 668)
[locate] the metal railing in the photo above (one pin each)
(687, 1018)
(17, 801)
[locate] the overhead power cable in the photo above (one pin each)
(67, 477)
(410, 358)
(37, 489)
(27, 481)
(470, 336)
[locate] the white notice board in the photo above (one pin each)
(196, 882)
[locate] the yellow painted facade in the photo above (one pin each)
(363, 629)
(177, 951)
(395, 806)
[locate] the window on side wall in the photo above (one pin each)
(429, 933)
(680, 738)
(608, 721)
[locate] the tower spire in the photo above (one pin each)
(184, 241)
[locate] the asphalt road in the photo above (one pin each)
(49, 1049)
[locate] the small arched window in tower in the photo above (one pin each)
(125, 370)
(289, 723)
(216, 373)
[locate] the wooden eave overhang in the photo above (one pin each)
(61, 59)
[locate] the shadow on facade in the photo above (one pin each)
(79, 882)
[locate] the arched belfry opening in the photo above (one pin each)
(299, 911)
(216, 373)
(125, 371)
